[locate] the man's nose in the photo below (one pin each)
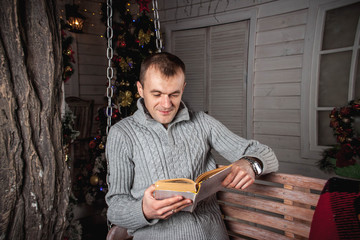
(165, 101)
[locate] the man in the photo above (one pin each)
(164, 140)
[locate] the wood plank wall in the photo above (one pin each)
(89, 81)
(278, 59)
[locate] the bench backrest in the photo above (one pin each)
(277, 206)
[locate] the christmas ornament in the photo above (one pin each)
(125, 98)
(143, 5)
(121, 41)
(144, 38)
(94, 180)
(126, 65)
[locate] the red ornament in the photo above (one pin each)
(92, 144)
(143, 5)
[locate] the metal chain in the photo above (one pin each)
(110, 70)
(109, 75)
(157, 25)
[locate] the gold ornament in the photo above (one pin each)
(125, 65)
(137, 95)
(125, 98)
(68, 51)
(94, 180)
(68, 69)
(101, 146)
(144, 38)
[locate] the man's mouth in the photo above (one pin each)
(165, 112)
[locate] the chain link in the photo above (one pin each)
(110, 70)
(157, 25)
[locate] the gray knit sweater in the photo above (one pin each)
(141, 151)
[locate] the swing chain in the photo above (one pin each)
(109, 75)
(110, 70)
(157, 25)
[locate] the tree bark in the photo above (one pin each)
(33, 173)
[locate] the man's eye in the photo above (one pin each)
(156, 95)
(175, 95)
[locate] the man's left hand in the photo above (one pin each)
(241, 176)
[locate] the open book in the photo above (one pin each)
(204, 186)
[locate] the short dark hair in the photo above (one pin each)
(167, 63)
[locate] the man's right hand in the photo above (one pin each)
(162, 209)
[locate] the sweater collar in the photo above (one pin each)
(142, 115)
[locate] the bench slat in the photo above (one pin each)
(295, 180)
(266, 220)
(266, 205)
(253, 232)
(281, 193)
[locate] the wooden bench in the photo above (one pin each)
(277, 206)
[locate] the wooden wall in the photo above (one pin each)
(280, 28)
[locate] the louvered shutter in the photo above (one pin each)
(190, 46)
(216, 63)
(228, 63)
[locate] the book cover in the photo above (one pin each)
(204, 186)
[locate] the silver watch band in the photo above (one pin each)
(255, 165)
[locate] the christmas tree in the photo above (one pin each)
(133, 40)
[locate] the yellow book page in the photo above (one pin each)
(177, 184)
(210, 173)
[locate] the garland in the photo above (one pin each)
(343, 157)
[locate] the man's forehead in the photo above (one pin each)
(155, 74)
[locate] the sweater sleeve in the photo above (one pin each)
(123, 209)
(233, 147)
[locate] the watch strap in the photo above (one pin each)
(255, 165)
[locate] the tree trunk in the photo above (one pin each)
(33, 173)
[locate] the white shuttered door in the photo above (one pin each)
(216, 63)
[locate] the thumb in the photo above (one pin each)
(150, 191)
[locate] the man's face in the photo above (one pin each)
(162, 95)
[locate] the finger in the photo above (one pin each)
(242, 182)
(248, 183)
(229, 178)
(239, 178)
(176, 210)
(183, 206)
(177, 205)
(168, 202)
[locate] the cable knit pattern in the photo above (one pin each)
(141, 151)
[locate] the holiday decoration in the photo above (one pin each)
(125, 98)
(144, 5)
(75, 20)
(343, 158)
(133, 40)
(67, 55)
(73, 229)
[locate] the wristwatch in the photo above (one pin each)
(255, 165)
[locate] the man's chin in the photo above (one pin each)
(165, 121)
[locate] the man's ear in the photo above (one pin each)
(140, 89)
